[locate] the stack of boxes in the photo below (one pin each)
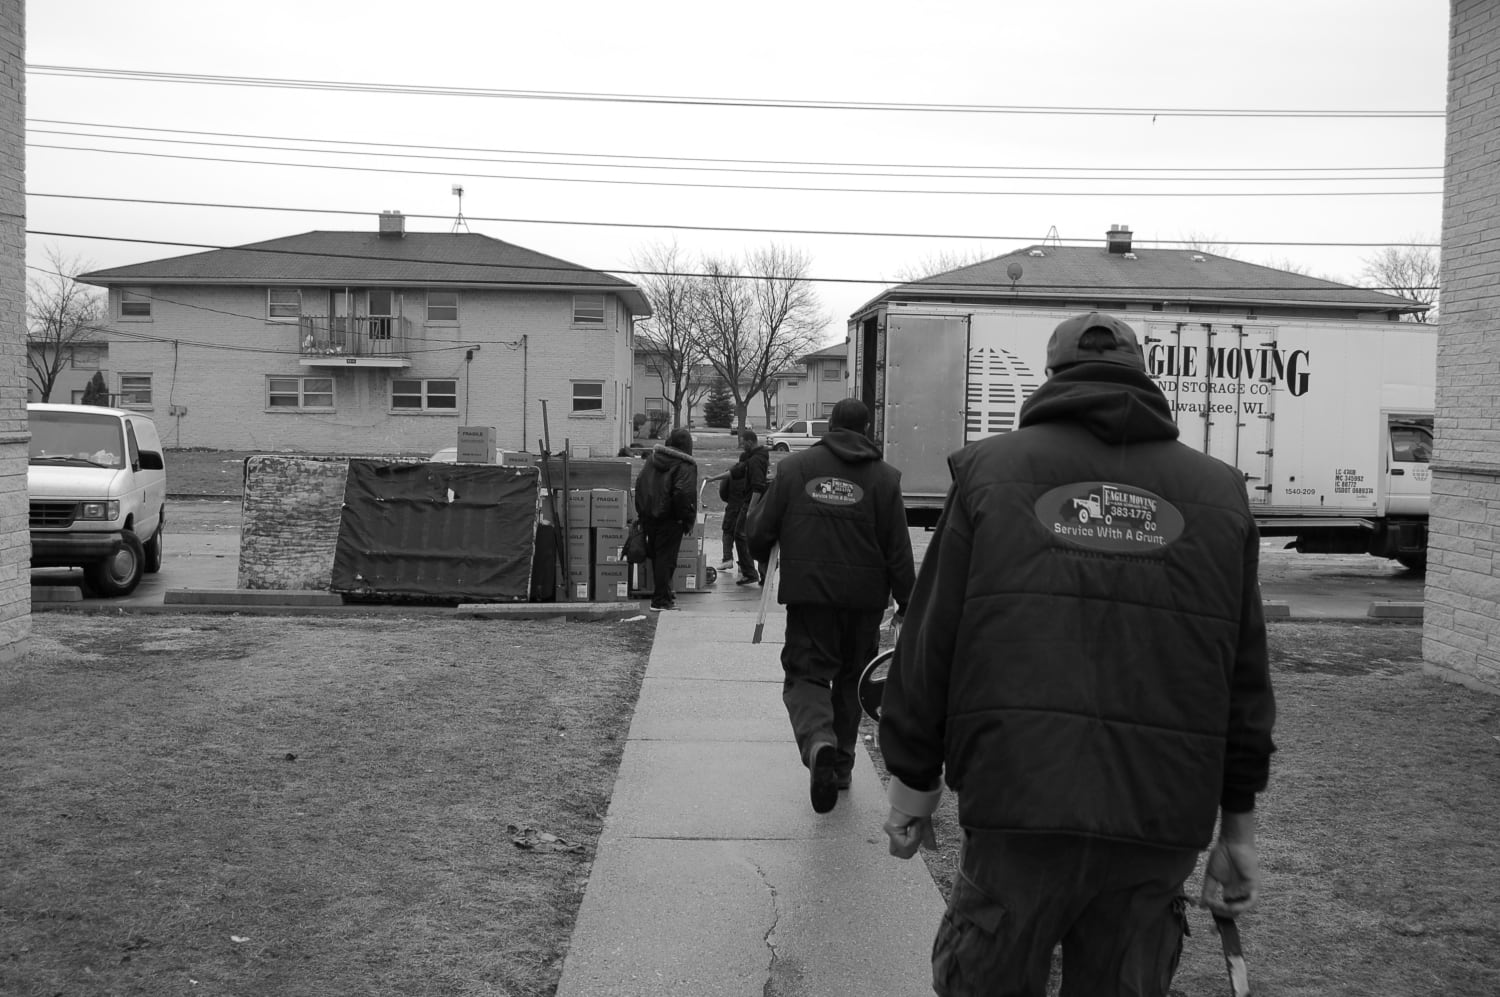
(597, 570)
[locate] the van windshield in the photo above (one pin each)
(76, 438)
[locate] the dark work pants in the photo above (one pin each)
(825, 651)
(748, 565)
(1117, 910)
(730, 529)
(666, 541)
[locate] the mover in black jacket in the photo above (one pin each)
(666, 500)
(836, 510)
(1085, 665)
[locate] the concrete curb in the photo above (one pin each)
(1396, 611)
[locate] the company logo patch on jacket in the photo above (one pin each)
(834, 491)
(1099, 515)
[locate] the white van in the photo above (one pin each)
(797, 435)
(98, 488)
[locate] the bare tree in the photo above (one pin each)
(942, 261)
(61, 315)
(1410, 271)
(754, 326)
(1207, 243)
(669, 336)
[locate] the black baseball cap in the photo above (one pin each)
(1063, 348)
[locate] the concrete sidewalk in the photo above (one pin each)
(713, 876)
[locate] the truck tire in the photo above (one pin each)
(782, 448)
(121, 572)
(155, 547)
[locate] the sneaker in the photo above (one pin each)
(823, 782)
(726, 565)
(656, 609)
(748, 580)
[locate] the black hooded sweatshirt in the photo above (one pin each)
(837, 512)
(1086, 652)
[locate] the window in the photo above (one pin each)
(792, 384)
(283, 304)
(830, 372)
(86, 356)
(588, 396)
(827, 409)
(413, 395)
(382, 305)
(442, 306)
(135, 390)
(299, 393)
(588, 309)
(135, 304)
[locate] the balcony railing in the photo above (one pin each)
(359, 336)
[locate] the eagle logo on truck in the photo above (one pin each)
(1100, 515)
(834, 491)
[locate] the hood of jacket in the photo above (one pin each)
(663, 457)
(1116, 404)
(850, 446)
(755, 451)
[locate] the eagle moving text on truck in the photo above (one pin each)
(1329, 421)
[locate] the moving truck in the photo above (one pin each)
(1329, 421)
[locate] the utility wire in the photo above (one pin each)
(726, 186)
(103, 73)
(712, 228)
(677, 165)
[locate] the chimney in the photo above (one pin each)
(1117, 239)
(392, 225)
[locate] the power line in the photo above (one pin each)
(151, 76)
(716, 228)
(678, 163)
(768, 187)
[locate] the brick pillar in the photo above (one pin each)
(15, 537)
(1461, 630)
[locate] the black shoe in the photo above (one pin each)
(823, 784)
(844, 781)
(748, 580)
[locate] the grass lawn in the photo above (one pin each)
(259, 805)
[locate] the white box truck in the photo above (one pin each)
(1329, 421)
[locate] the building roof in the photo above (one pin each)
(1144, 275)
(369, 259)
(838, 351)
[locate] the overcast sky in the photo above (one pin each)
(535, 171)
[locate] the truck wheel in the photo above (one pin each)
(119, 573)
(1083, 516)
(155, 547)
(782, 448)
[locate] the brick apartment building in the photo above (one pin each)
(380, 342)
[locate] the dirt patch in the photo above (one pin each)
(1376, 833)
(294, 805)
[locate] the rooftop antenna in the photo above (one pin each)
(1052, 237)
(458, 191)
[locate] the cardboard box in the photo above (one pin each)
(689, 576)
(580, 549)
(611, 582)
(580, 584)
(608, 507)
(517, 458)
(609, 545)
(476, 444)
(579, 503)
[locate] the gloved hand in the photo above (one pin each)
(907, 833)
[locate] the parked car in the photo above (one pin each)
(797, 435)
(97, 483)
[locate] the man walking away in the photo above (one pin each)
(753, 472)
(666, 501)
(732, 491)
(836, 510)
(1085, 665)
